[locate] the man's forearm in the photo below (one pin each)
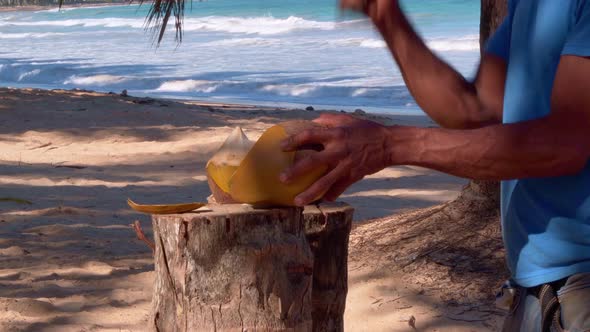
(497, 152)
(435, 85)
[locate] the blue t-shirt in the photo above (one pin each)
(545, 221)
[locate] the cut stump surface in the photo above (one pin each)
(236, 268)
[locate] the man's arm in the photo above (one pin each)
(556, 145)
(444, 94)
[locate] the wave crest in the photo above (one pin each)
(465, 43)
(264, 25)
(17, 35)
(96, 80)
(188, 86)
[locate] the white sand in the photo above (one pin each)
(70, 262)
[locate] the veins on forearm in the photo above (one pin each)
(498, 152)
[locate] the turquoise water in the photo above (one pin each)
(270, 52)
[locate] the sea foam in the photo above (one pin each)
(264, 25)
(464, 43)
(188, 86)
(29, 35)
(89, 22)
(95, 80)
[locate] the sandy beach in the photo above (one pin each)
(69, 260)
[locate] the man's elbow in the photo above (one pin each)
(573, 163)
(475, 114)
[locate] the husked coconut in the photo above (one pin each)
(240, 172)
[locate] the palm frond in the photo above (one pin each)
(159, 15)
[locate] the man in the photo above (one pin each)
(524, 120)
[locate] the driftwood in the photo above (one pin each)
(235, 268)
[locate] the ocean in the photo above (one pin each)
(289, 53)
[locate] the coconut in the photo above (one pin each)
(240, 172)
(224, 163)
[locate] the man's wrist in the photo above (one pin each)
(403, 145)
(386, 19)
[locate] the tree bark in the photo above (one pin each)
(236, 268)
(327, 228)
(491, 16)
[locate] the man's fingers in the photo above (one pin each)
(356, 5)
(337, 189)
(307, 164)
(320, 186)
(335, 120)
(307, 137)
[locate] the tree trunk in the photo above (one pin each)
(236, 268)
(491, 16)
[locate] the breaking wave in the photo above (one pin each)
(265, 25)
(188, 86)
(29, 35)
(95, 80)
(465, 43)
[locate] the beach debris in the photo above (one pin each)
(165, 208)
(124, 93)
(40, 146)
(70, 166)
(412, 322)
(15, 200)
(144, 101)
(310, 108)
(141, 235)
(253, 177)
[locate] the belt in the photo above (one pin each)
(550, 309)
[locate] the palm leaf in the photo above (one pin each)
(159, 15)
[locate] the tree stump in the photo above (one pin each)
(327, 228)
(236, 268)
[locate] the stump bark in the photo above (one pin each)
(236, 268)
(327, 228)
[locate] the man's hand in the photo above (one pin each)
(353, 148)
(377, 10)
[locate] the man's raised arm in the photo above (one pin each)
(444, 94)
(555, 145)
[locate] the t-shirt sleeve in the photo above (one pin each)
(578, 40)
(499, 43)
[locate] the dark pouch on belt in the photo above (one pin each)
(550, 310)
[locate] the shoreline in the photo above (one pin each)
(420, 117)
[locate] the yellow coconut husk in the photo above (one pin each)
(219, 196)
(164, 208)
(224, 163)
(256, 179)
